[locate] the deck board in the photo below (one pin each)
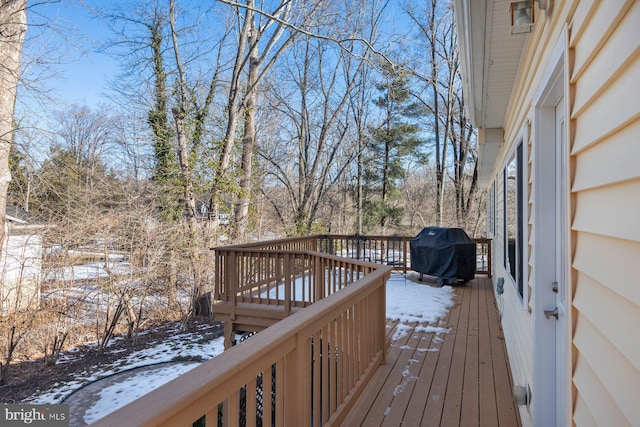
(460, 378)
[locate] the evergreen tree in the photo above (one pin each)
(18, 193)
(392, 141)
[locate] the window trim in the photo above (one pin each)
(491, 210)
(519, 152)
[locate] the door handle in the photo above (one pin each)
(551, 313)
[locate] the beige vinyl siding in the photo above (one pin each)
(582, 416)
(611, 262)
(622, 146)
(613, 109)
(517, 325)
(603, 85)
(617, 380)
(591, 389)
(516, 320)
(598, 27)
(603, 64)
(612, 57)
(610, 210)
(590, 298)
(605, 150)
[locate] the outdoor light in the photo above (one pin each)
(522, 16)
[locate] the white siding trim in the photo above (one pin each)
(553, 86)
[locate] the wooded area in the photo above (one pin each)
(228, 122)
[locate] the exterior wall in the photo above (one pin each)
(515, 312)
(605, 114)
(20, 267)
(604, 207)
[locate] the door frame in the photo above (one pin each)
(550, 398)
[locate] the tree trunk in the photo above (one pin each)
(12, 343)
(228, 142)
(249, 134)
(13, 27)
(185, 170)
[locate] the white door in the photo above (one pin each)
(561, 262)
(551, 289)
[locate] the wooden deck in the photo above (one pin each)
(460, 378)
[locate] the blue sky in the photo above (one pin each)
(75, 34)
(82, 72)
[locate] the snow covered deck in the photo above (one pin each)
(456, 378)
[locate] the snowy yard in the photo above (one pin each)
(407, 301)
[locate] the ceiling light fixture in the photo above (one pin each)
(522, 16)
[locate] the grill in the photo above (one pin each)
(448, 255)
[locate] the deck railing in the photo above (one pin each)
(307, 370)
(390, 250)
(286, 278)
(483, 255)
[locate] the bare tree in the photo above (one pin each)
(465, 177)
(441, 94)
(418, 193)
(257, 32)
(362, 95)
(88, 135)
(318, 128)
(13, 27)
(189, 139)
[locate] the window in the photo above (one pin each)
(514, 218)
(491, 210)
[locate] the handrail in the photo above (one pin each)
(263, 276)
(389, 250)
(303, 242)
(314, 364)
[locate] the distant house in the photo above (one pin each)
(20, 262)
(554, 90)
(224, 217)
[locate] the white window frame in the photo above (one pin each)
(523, 140)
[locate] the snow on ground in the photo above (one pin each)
(413, 302)
(133, 387)
(407, 301)
(410, 302)
(417, 307)
(93, 270)
(182, 346)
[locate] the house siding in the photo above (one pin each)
(604, 207)
(516, 315)
(605, 82)
(20, 266)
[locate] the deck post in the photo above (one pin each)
(288, 275)
(232, 281)
(318, 278)
(489, 245)
(294, 383)
(404, 255)
(228, 335)
(382, 318)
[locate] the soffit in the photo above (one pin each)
(490, 56)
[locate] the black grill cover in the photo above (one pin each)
(448, 253)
